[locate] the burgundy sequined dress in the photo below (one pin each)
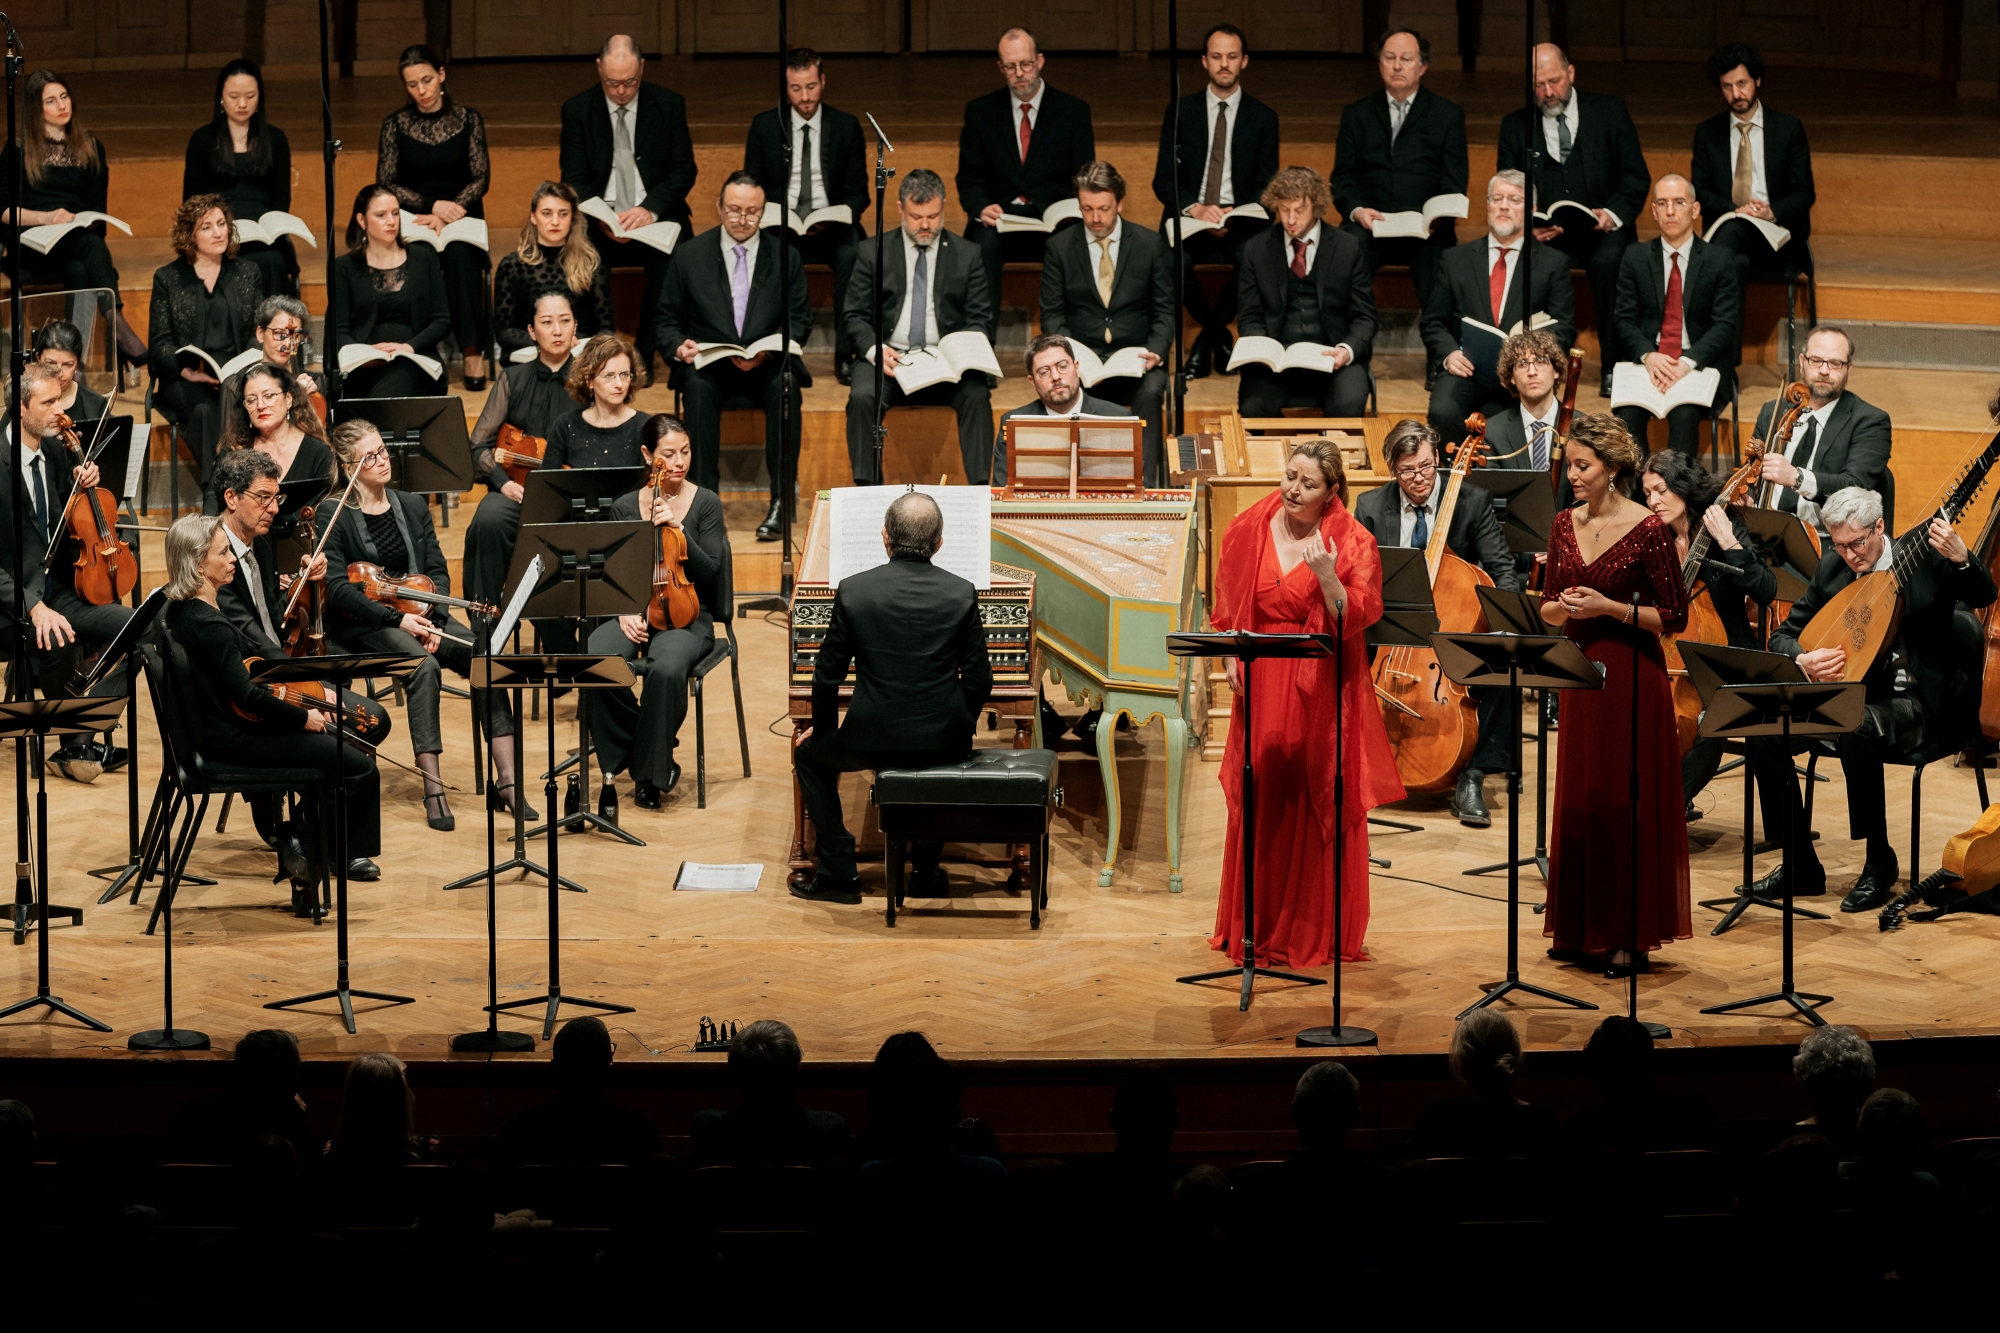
(1590, 843)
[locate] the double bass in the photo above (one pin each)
(105, 567)
(1433, 724)
(1704, 623)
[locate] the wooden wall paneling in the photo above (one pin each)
(220, 31)
(593, 20)
(138, 34)
(62, 33)
(1059, 25)
(1271, 25)
(1671, 29)
(751, 26)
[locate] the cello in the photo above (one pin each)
(1987, 552)
(1704, 625)
(1434, 724)
(105, 568)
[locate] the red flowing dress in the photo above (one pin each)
(1590, 841)
(1293, 715)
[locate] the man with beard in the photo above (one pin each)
(1839, 441)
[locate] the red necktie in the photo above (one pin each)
(1299, 259)
(1670, 320)
(1027, 131)
(1497, 284)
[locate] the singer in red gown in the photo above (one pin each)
(1601, 553)
(1283, 563)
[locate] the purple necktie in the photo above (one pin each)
(739, 287)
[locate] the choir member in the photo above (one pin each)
(59, 345)
(626, 141)
(530, 396)
(605, 430)
(273, 413)
(283, 328)
(1059, 390)
(1478, 281)
(732, 284)
(638, 735)
(1395, 151)
(389, 296)
(1018, 152)
(1298, 562)
(1603, 554)
(1532, 366)
(248, 161)
(206, 297)
(1303, 281)
(554, 254)
(934, 284)
(1110, 285)
(1752, 160)
(433, 159)
(1839, 441)
(1229, 152)
(1680, 309)
(1588, 153)
(828, 166)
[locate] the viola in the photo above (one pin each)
(412, 594)
(675, 602)
(106, 570)
(304, 627)
(317, 695)
(519, 453)
(1704, 622)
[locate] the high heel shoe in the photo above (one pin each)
(444, 821)
(497, 800)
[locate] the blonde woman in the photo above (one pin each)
(554, 254)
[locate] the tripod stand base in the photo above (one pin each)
(1657, 1031)
(1738, 903)
(515, 863)
(492, 1040)
(55, 1003)
(1249, 974)
(1540, 864)
(1499, 990)
(165, 1039)
(1795, 998)
(345, 994)
(582, 820)
(555, 999)
(23, 915)
(1340, 1036)
(1399, 825)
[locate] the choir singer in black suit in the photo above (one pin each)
(1839, 441)
(626, 141)
(1680, 309)
(1110, 285)
(1523, 434)
(1019, 149)
(1304, 281)
(1405, 514)
(1480, 280)
(1396, 150)
(1059, 391)
(1229, 152)
(913, 635)
(1589, 154)
(1752, 160)
(724, 287)
(933, 285)
(829, 167)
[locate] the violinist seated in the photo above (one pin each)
(205, 298)
(1922, 688)
(1406, 515)
(1683, 495)
(58, 344)
(281, 333)
(638, 736)
(1837, 442)
(63, 625)
(201, 568)
(254, 598)
(392, 530)
(273, 414)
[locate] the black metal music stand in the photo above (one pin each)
(340, 670)
(294, 497)
(115, 653)
(430, 452)
(1785, 545)
(594, 570)
(575, 672)
(1248, 647)
(39, 718)
(1409, 618)
(1517, 613)
(1785, 710)
(1515, 662)
(574, 495)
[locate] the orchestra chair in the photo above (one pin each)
(177, 441)
(721, 648)
(1917, 761)
(1005, 796)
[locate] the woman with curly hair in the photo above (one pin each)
(606, 431)
(206, 297)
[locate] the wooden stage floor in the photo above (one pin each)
(1096, 982)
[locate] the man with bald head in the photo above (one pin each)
(626, 141)
(1679, 310)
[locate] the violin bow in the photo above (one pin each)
(61, 530)
(299, 585)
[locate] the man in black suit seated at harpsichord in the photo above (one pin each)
(1753, 160)
(829, 169)
(913, 635)
(1019, 149)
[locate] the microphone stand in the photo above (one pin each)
(785, 481)
(1657, 1031)
(1180, 239)
(1533, 155)
(329, 149)
(883, 171)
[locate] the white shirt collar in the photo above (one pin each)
(1494, 243)
(1567, 111)
(236, 544)
(1888, 556)
(1407, 103)
(1217, 99)
(631, 110)
(1528, 418)
(1756, 117)
(798, 121)
(1685, 250)
(1429, 505)
(1034, 104)
(1117, 234)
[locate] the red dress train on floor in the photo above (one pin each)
(1293, 713)
(1590, 841)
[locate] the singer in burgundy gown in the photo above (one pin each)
(1590, 843)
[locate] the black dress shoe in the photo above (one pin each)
(496, 799)
(1772, 886)
(1583, 956)
(1693, 812)
(931, 883)
(78, 763)
(1619, 971)
(474, 383)
(772, 527)
(824, 889)
(843, 370)
(1604, 386)
(114, 757)
(673, 778)
(1196, 366)
(645, 795)
(1220, 348)
(607, 804)
(1468, 803)
(1086, 728)
(363, 869)
(444, 821)
(1875, 886)
(646, 373)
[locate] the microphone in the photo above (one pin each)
(878, 131)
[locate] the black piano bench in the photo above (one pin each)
(994, 796)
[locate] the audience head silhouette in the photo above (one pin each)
(1836, 1070)
(1620, 1056)
(17, 1136)
(376, 1118)
(1486, 1053)
(764, 1060)
(1325, 1106)
(912, 1096)
(581, 1055)
(1145, 1113)
(266, 1064)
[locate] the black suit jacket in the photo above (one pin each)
(177, 313)
(235, 602)
(990, 169)
(958, 289)
(1475, 534)
(662, 147)
(1346, 288)
(1253, 149)
(355, 306)
(1427, 158)
(1464, 288)
(1141, 313)
(1788, 177)
(1944, 666)
(837, 142)
(1606, 147)
(350, 541)
(1853, 450)
(913, 635)
(36, 587)
(1506, 446)
(1711, 301)
(695, 302)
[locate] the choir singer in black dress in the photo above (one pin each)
(389, 296)
(248, 161)
(59, 345)
(553, 255)
(206, 298)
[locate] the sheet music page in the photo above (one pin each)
(854, 542)
(135, 460)
(511, 617)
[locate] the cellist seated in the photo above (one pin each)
(638, 736)
(1922, 687)
(1404, 515)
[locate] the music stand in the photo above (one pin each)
(430, 452)
(39, 718)
(575, 495)
(1783, 543)
(340, 670)
(1784, 709)
(1248, 647)
(1710, 667)
(294, 497)
(594, 570)
(1515, 662)
(533, 672)
(1409, 618)
(1517, 613)
(115, 652)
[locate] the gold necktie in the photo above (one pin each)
(1742, 188)
(1105, 272)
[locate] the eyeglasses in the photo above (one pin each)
(1856, 546)
(1542, 361)
(371, 457)
(1822, 363)
(262, 499)
(613, 376)
(1050, 370)
(285, 337)
(743, 214)
(624, 85)
(1413, 473)
(1017, 67)
(266, 399)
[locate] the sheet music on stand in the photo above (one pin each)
(855, 534)
(135, 461)
(531, 578)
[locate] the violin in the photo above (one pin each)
(412, 594)
(304, 627)
(317, 695)
(1704, 622)
(318, 400)
(675, 602)
(519, 453)
(105, 568)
